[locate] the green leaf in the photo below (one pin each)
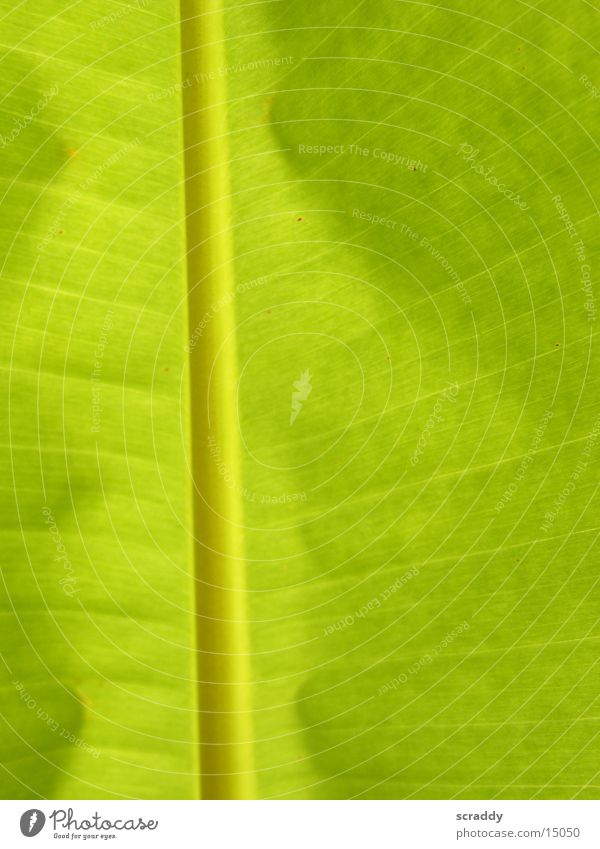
(301, 400)
(99, 683)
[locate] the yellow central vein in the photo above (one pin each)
(225, 729)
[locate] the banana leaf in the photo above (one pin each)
(299, 497)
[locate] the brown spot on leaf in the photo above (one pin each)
(268, 108)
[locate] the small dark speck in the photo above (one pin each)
(166, 368)
(299, 218)
(557, 345)
(60, 232)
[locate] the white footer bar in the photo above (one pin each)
(302, 825)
